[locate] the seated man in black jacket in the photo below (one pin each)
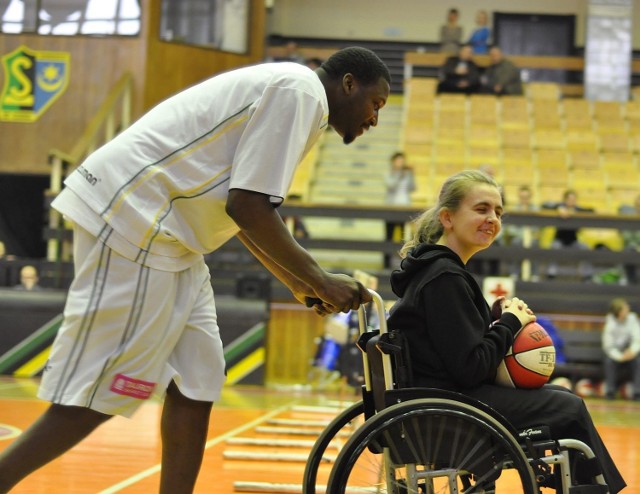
(567, 237)
(460, 74)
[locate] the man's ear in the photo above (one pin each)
(348, 83)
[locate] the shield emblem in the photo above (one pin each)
(33, 81)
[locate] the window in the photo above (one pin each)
(71, 17)
(221, 24)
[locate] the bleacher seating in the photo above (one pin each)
(548, 143)
(540, 139)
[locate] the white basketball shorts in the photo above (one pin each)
(129, 330)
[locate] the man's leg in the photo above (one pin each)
(184, 427)
(56, 431)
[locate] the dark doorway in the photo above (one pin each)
(535, 34)
(23, 214)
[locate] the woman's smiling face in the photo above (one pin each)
(476, 223)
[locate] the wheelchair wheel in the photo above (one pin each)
(319, 448)
(432, 445)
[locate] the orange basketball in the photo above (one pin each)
(529, 363)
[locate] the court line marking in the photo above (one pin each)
(246, 366)
(34, 365)
(211, 442)
(9, 386)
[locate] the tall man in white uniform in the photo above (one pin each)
(206, 164)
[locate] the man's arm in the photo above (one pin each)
(260, 224)
(299, 289)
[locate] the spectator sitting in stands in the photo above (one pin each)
(621, 344)
(400, 183)
(479, 39)
(515, 234)
(631, 239)
(568, 237)
(525, 204)
(292, 54)
(451, 33)
(28, 279)
(502, 76)
(460, 74)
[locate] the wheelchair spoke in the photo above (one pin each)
(341, 423)
(408, 450)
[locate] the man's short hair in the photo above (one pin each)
(364, 64)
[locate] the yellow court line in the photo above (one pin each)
(33, 366)
(211, 442)
(246, 366)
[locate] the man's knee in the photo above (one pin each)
(174, 395)
(80, 417)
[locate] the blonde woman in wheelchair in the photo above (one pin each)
(444, 316)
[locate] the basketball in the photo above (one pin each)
(529, 363)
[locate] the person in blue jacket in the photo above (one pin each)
(479, 39)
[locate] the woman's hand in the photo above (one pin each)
(520, 309)
(496, 308)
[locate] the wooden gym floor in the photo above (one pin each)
(123, 455)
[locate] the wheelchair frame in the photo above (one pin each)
(391, 411)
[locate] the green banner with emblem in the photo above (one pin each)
(33, 80)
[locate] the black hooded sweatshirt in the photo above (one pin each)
(447, 321)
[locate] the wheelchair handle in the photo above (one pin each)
(362, 316)
(362, 325)
(377, 299)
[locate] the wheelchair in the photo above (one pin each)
(422, 440)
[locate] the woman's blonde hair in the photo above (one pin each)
(427, 227)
